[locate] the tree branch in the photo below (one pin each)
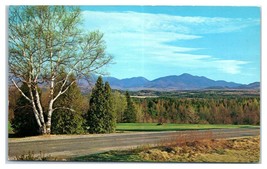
(26, 97)
(62, 92)
(66, 108)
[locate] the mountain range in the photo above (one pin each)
(182, 82)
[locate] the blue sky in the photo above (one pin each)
(221, 43)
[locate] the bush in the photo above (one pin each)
(67, 122)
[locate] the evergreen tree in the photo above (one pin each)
(101, 116)
(130, 112)
(96, 112)
(67, 118)
(109, 116)
(24, 122)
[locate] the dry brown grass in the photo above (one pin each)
(31, 156)
(234, 150)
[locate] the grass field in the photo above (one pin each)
(165, 127)
(173, 127)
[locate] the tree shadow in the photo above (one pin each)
(12, 135)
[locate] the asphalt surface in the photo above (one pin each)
(72, 146)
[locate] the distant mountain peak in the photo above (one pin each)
(186, 74)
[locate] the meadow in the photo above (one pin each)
(174, 127)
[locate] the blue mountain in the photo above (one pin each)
(182, 82)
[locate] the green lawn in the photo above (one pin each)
(173, 127)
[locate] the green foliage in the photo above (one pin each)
(109, 116)
(10, 129)
(67, 118)
(239, 110)
(96, 110)
(119, 105)
(24, 122)
(101, 117)
(67, 122)
(130, 112)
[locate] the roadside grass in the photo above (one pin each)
(111, 156)
(241, 150)
(174, 127)
(31, 156)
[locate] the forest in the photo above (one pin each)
(199, 110)
(197, 106)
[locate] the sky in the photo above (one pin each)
(221, 43)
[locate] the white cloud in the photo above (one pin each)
(229, 66)
(142, 37)
(140, 22)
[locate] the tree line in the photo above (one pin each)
(240, 110)
(99, 111)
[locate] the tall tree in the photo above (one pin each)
(109, 114)
(129, 115)
(42, 40)
(96, 108)
(101, 116)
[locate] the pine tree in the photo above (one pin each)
(130, 112)
(101, 117)
(67, 119)
(109, 116)
(95, 116)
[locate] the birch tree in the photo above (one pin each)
(41, 41)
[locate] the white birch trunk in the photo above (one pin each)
(49, 116)
(42, 127)
(50, 106)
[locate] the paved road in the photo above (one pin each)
(71, 146)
